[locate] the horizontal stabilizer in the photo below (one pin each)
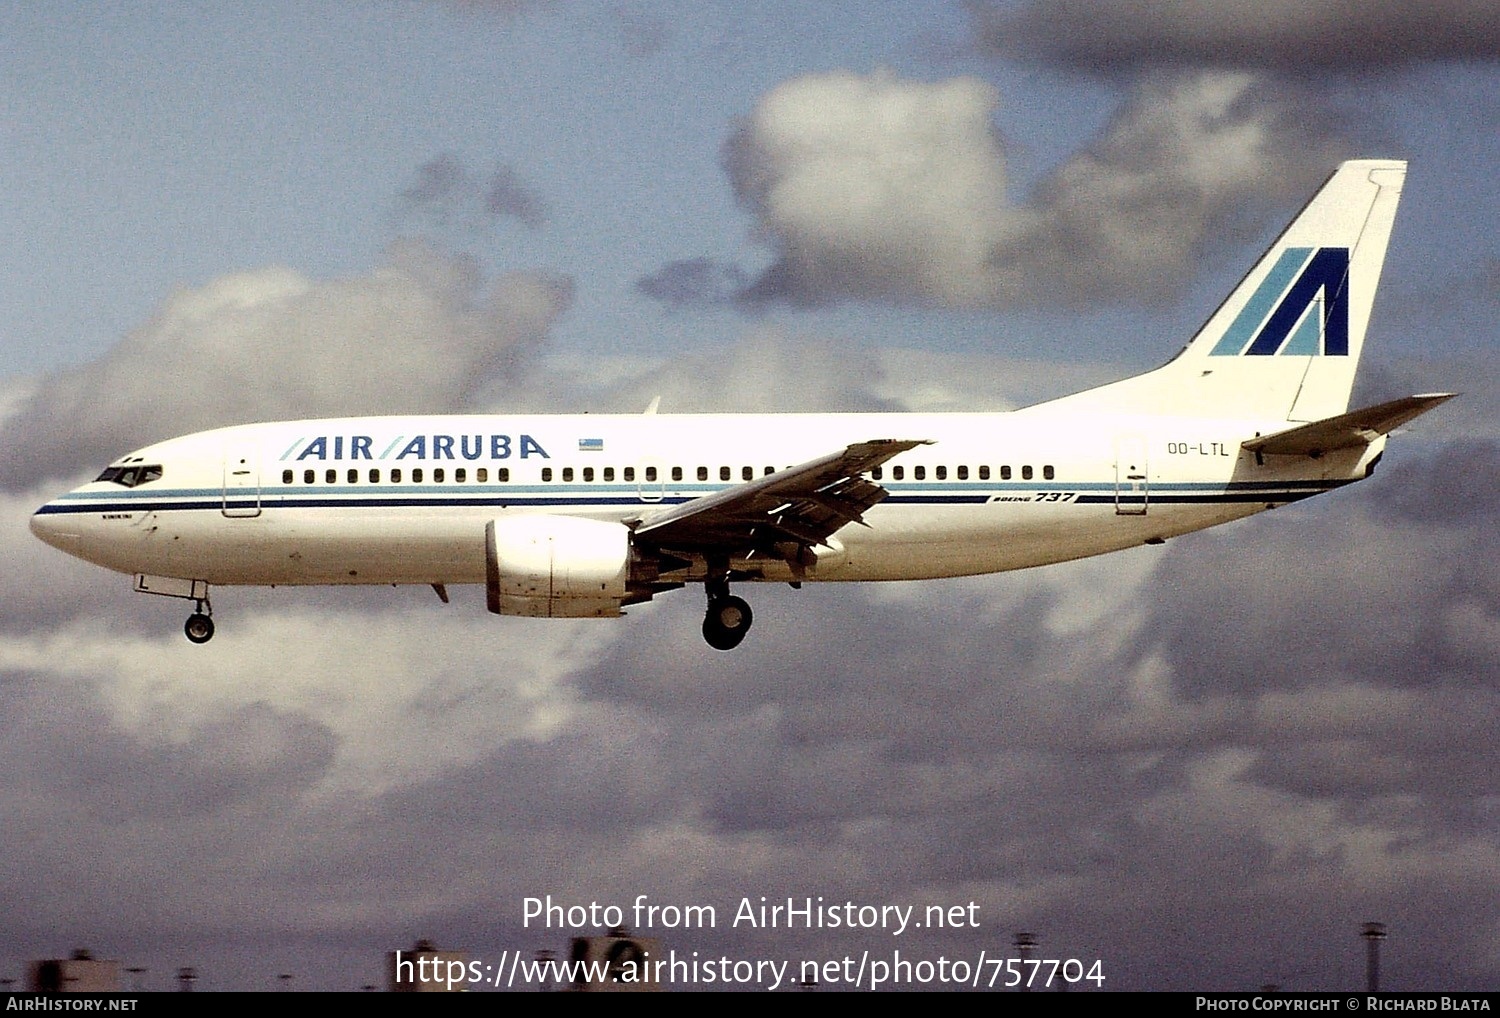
(1356, 428)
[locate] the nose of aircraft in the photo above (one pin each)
(55, 528)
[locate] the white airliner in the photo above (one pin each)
(579, 516)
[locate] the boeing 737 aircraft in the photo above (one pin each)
(581, 516)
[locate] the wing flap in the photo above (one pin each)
(806, 503)
(1356, 428)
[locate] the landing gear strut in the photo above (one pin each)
(199, 627)
(728, 618)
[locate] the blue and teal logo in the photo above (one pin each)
(1301, 308)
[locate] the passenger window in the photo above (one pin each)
(876, 473)
(395, 475)
(724, 473)
(963, 473)
(1047, 472)
(919, 473)
(460, 475)
(588, 474)
(609, 474)
(353, 475)
(481, 474)
(437, 475)
(416, 475)
(1005, 473)
(374, 476)
(942, 473)
(1026, 473)
(897, 473)
(676, 473)
(630, 473)
(330, 476)
(308, 476)
(650, 473)
(984, 473)
(703, 473)
(502, 474)
(747, 473)
(567, 475)
(770, 471)
(286, 477)
(546, 473)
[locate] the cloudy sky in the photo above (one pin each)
(1204, 765)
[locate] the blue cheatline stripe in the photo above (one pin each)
(1226, 498)
(460, 493)
(1258, 307)
(1085, 494)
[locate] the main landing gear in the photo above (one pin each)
(728, 618)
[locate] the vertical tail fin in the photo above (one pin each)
(1286, 343)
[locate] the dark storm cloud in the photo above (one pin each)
(1458, 484)
(693, 282)
(1439, 755)
(1101, 35)
(506, 195)
(68, 747)
(421, 333)
(447, 200)
(1393, 585)
(120, 836)
(874, 187)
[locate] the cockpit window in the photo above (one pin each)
(130, 476)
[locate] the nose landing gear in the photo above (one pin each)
(728, 618)
(199, 628)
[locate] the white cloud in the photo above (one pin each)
(881, 188)
(419, 334)
(871, 184)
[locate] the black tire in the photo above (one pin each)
(727, 622)
(199, 628)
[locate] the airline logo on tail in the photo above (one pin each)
(1301, 308)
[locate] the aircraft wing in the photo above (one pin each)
(802, 505)
(1358, 427)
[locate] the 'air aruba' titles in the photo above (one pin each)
(422, 447)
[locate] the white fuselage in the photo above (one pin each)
(407, 499)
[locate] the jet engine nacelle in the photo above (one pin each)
(556, 566)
